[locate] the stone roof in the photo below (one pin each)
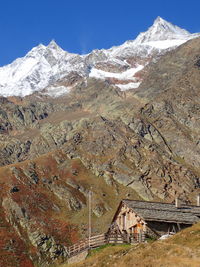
(156, 211)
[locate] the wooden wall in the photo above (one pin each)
(129, 221)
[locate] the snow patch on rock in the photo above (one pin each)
(128, 86)
(126, 75)
(57, 91)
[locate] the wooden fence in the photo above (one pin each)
(89, 243)
(99, 240)
(77, 248)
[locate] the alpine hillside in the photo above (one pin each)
(122, 122)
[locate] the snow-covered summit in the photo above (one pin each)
(53, 45)
(162, 30)
(44, 65)
(160, 36)
(40, 67)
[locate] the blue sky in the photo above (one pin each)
(80, 26)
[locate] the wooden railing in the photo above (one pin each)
(99, 240)
(77, 248)
(89, 243)
(115, 239)
(137, 238)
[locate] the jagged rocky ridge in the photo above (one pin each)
(141, 144)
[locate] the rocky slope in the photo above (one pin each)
(42, 201)
(140, 144)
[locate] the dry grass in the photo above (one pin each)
(182, 250)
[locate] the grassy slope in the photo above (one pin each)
(182, 250)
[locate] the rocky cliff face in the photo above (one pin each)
(140, 144)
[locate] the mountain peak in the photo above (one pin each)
(56, 50)
(162, 30)
(164, 25)
(36, 51)
(53, 45)
(161, 25)
(159, 19)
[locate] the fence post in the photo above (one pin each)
(143, 236)
(89, 215)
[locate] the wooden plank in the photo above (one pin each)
(96, 236)
(114, 239)
(96, 240)
(94, 243)
(100, 241)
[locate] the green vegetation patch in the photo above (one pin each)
(96, 250)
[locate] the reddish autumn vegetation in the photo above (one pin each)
(13, 251)
(44, 207)
(35, 212)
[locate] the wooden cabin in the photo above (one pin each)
(135, 219)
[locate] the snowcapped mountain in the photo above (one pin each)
(44, 67)
(162, 30)
(161, 35)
